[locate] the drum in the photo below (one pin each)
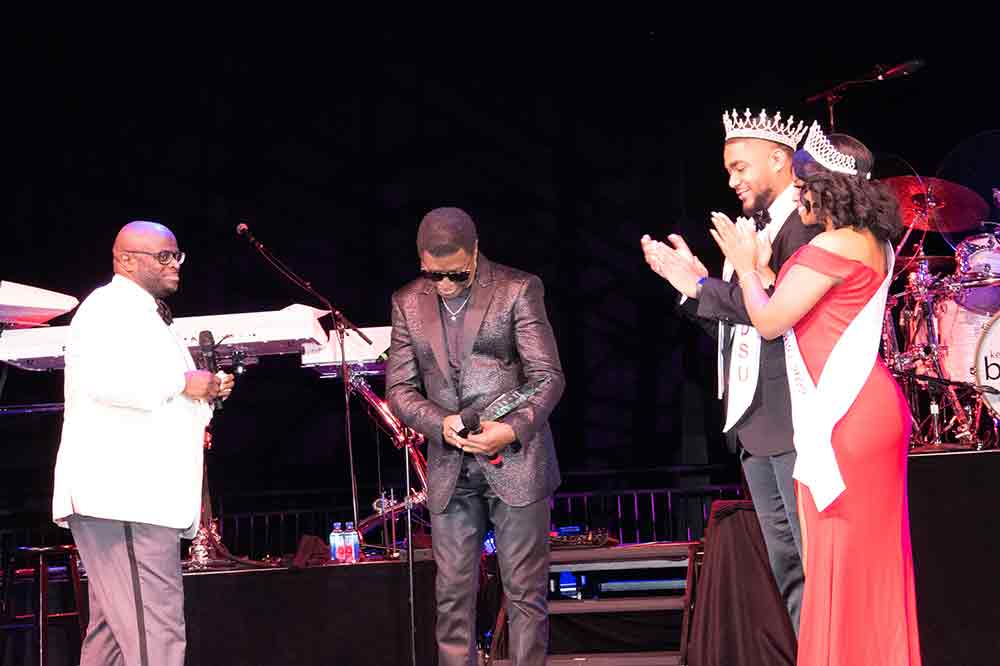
(959, 330)
(978, 273)
(987, 362)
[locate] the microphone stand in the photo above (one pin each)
(881, 73)
(836, 93)
(341, 324)
(409, 556)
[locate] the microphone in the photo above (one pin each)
(242, 229)
(470, 422)
(471, 426)
(902, 69)
(207, 343)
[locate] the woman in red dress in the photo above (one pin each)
(858, 607)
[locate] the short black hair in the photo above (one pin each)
(445, 231)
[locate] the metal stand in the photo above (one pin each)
(409, 562)
(406, 439)
(345, 375)
(207, 550)
(880, 73)
(341, 325)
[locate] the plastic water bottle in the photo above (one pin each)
(353, 543)
(344, 547)
(336, 542)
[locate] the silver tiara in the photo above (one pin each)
(762, 126)
(820, 149)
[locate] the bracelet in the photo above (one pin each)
(698, 286)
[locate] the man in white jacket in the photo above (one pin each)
(128, 474)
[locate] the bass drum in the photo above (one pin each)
(987, 368)
(959, 331)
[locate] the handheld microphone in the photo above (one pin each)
(470, 422)
(207, 343)
(471, 426)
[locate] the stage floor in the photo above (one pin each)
(358, 614)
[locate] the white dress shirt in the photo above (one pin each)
(131, 446)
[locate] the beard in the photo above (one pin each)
(760, 201)
(164, 289)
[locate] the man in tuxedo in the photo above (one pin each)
(128, 474)
(758, 158)
(463, 333)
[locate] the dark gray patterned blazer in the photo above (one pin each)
(507, 341)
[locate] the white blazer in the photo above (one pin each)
(131, 446)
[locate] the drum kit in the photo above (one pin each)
(941, 333)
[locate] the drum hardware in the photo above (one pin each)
(929, 432)
(933, 262)
(982, 388)
(932, 327)
(933, 351)
(962, 431)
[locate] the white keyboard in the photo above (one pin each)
(22, 305)
(364, 358)
(249, 335)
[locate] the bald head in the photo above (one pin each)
(137, 251)
(139, 233)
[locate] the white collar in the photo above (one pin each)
(779, 210)
(133, 290)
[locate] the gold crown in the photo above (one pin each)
(762, 126)
(821, 150)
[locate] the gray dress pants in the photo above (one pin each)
(136, 593)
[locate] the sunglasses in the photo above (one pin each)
(163, 256)
(454, 276)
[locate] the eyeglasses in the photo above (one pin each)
(163, 256)
(454, 276)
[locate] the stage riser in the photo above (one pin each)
(954, 500)
(343, 615)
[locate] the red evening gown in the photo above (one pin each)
(858, 607)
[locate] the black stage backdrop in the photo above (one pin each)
(564, 149)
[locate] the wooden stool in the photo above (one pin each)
(41, 558)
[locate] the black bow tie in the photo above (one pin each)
(761, 219)
(163, 310)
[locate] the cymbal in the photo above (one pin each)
(935, 264)
(935, 204)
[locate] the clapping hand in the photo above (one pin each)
(674, 263)
(738, 241)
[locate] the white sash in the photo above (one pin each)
(744, 362)
(816, 409)
(744, 365)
